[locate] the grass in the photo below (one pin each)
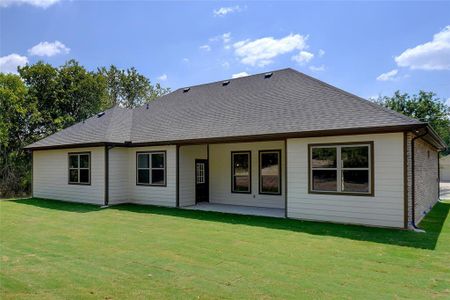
(58, 250)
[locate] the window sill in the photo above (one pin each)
(148, 184)
(270, 194)
(236, 192)
(342, 193)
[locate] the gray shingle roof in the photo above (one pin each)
(287, 102)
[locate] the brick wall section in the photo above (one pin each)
(426, 178)
(409, 137)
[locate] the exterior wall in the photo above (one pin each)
(385, 208)
(220, 175)
(118, 175)
(445, 168)
(188, 155)
(155, 195)
(426, 179)
(51, 176)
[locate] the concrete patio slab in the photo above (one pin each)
(237, 209)
(445, 190)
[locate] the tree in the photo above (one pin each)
(18, 118)
(128, 88)
(64, 95)
(425, 107)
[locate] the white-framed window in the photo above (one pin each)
(241, 172)
(341, 168)
(270, 172)
(80, 168)
(200, 173)
(151, 168)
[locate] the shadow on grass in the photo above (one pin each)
(59, 205)
(433, 223)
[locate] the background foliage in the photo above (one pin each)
(43, 99)
(425, 107)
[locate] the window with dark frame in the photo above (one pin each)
(200, 173)
(241, 172)
(344, 168)
(80, 168)
(270, 172)
(151, 168)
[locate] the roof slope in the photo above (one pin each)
(286, 102)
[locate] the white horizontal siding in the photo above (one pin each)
(155, 195)
(188, 155)
(220, 175)
(118, 175)
(51, 176)
(385, 208)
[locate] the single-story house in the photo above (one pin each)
(445, 168)
(282, 141)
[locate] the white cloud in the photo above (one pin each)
(37, 3)
(205, 47)
(388, 76)
(434, 55)
(303, 57)
(241, 74)
(163, 77)
(321, 52)
(48, 49)
(447, 102)
(226, 64)
(317, 68)
(225, 38)
(261, 52)
(223, 11)
(186, 60)
(9, 63)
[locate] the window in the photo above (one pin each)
(240, 169)
(344, 168)
(200, 173)
(151, 168)
(270, 172)
(80, 168)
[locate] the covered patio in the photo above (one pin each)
(238, 209)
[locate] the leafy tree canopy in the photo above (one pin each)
(128, 88)
(425, 107)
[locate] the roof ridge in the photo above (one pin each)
(108, 133)
(233, 79)
(393, 112)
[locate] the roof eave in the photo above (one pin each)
(247, 138)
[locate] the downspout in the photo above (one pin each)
(439, 176)
(177, 204)
(32, 175)
(413, 192)
(106, 201)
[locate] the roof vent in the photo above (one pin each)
(185, 90)
(100, 114)
(226, 82)
(268, 75)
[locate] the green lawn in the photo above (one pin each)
(57, 250)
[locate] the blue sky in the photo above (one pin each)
(366, 48)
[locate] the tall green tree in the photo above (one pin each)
(128, 88)
(18, 120)
(425, 107)
(64, 95)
